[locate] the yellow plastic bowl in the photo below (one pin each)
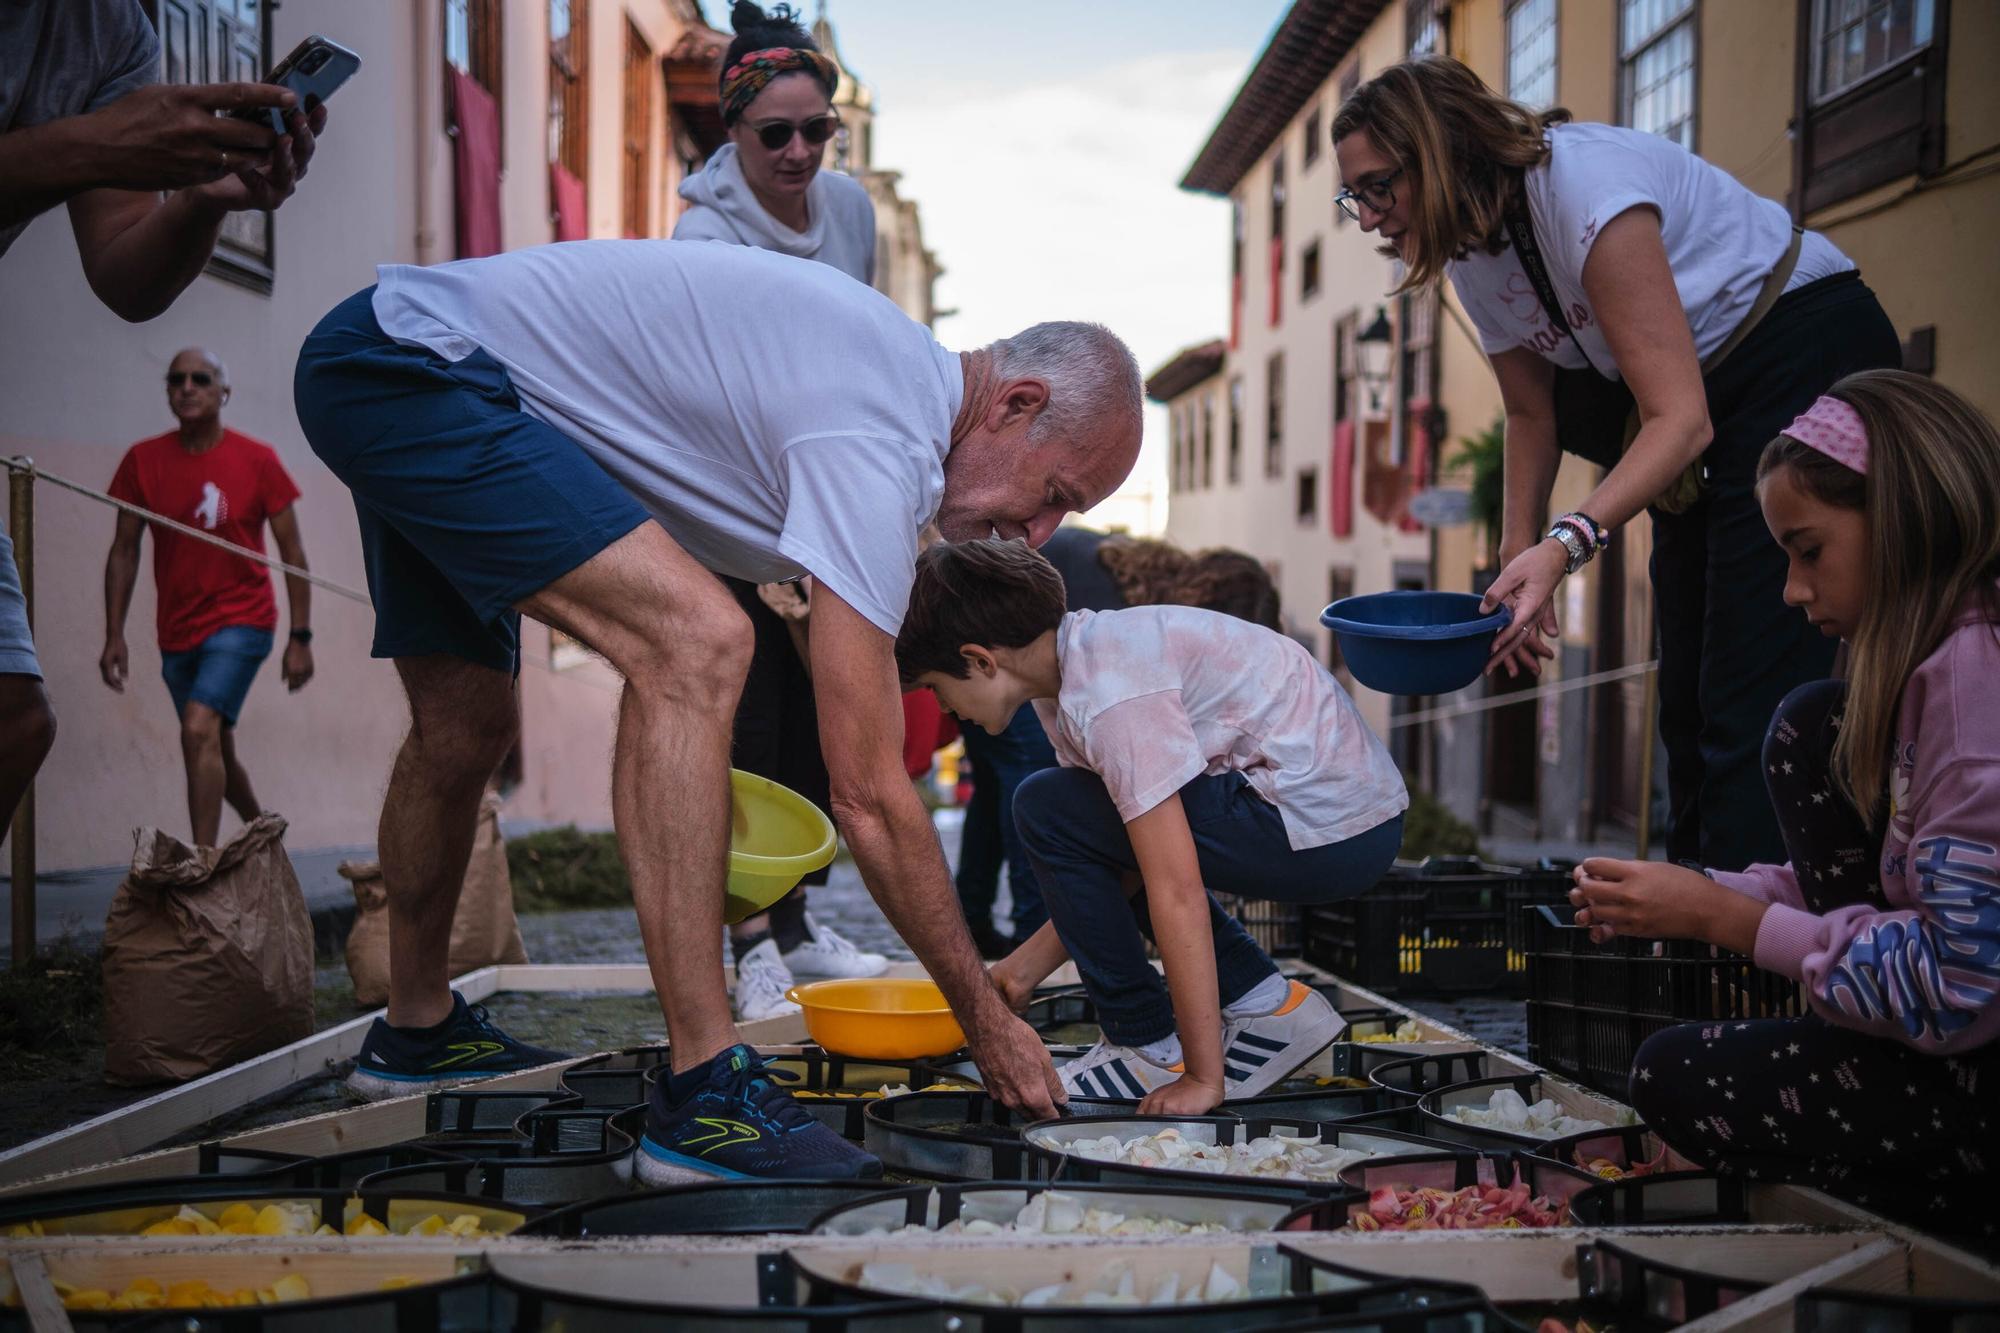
(884, 1018)
(776, 838)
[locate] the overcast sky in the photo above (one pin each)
(1045, 141)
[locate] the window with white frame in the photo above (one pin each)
(1531, 52)
(1854, 40)
(1656, 46)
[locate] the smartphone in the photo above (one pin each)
(314, 69)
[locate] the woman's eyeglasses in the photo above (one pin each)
(816, 130)
(1377, 194)
(202, 379)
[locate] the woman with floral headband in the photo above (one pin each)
(764, 188)
(1643, 310)
(1885, 497)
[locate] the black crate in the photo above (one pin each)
(1590, 1006)
(1442, 927)
(1275, 926)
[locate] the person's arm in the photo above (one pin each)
(896, 847)
(1029, 966)
(298, 660)
(1530, 460)
(1631, 288)
(121, 573)
(1178, 905)
(165, 137)
(140, 251)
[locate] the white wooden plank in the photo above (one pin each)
(1880, 1266)
(37, 1295)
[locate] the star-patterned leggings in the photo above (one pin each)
(1804, 1101)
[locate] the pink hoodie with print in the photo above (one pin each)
(1925, 970)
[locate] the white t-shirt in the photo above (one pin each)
(777, 417)
(1155, 696)
(1722, 241)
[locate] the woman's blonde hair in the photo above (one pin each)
(1461, 147)
(1932, 505)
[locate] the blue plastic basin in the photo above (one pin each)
(1414, 642)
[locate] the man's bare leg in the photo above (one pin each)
(201, 753)
(683, 645)
(27, 734)
(462, 719)
(236, 780)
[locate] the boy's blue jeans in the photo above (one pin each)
(990, 837)
(1078, 846)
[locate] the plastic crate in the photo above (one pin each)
(1275, 926)
(1440, 927)
(1591, 1006)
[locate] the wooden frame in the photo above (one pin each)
(1888, 126)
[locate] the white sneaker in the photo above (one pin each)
(761, 982)
(827, 953)
(1115, 1072)
(1259, 1053)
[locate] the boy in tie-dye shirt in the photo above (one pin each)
(1197, 752)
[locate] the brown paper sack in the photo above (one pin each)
(483, 932)
(208, 956)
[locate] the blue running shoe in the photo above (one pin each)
(741, 1123)
(398, 1062)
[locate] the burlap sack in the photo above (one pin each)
(483, 932)
(208, 956)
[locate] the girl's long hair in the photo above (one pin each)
(1462, 148)
(1932, 505)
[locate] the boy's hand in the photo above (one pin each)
(1184, 1096)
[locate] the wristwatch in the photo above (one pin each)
(1572, 543)
(302, 636)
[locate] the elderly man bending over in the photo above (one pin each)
(509, 426)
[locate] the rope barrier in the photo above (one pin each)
(1438, 713)
(255, 557)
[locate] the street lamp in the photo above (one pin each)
(1375, 346)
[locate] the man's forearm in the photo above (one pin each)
(121, 573)
(40, 167)
(900, 860)
(138, 272)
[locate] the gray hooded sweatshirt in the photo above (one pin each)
(841, 233)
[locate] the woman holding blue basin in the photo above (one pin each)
(1645, 311)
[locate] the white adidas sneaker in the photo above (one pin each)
(761, 982)
(827, 953)
(1259, 1053)
(1114, 1072)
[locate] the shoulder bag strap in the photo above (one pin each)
(1521, 228)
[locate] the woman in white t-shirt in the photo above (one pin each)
(1689, 309)
(764, 189)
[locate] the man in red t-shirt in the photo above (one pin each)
(216, 612)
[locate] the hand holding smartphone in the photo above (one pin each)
(313, 71)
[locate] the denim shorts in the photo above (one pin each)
(467, 503)
(17, 647)
(217, 671)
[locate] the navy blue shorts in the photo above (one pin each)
(467, 503)
(217, 671)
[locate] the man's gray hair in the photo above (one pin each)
(1092, 375)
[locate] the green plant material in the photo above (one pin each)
(1431, 830)
(51, 1009)
(564, 870)
(1483, 454)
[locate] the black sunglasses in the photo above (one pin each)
(1377, 194)
(815, 130)
(202, 379)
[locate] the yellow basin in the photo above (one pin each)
(776, 838)
(882, 1018)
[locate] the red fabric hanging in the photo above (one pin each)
(567, 193)
(1277, 278)
(1235, 310)
(476, 166)
(1416, 461)
(1341, 511)
(926, 730)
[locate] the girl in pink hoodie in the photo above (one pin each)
(1886, 497)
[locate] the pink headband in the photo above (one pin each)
(1833, 428)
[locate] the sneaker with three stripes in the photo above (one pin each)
(1260, 1052)
(1114, 1073)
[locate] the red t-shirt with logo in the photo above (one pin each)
(230, 490)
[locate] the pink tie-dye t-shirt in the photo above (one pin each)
(1155, 696)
